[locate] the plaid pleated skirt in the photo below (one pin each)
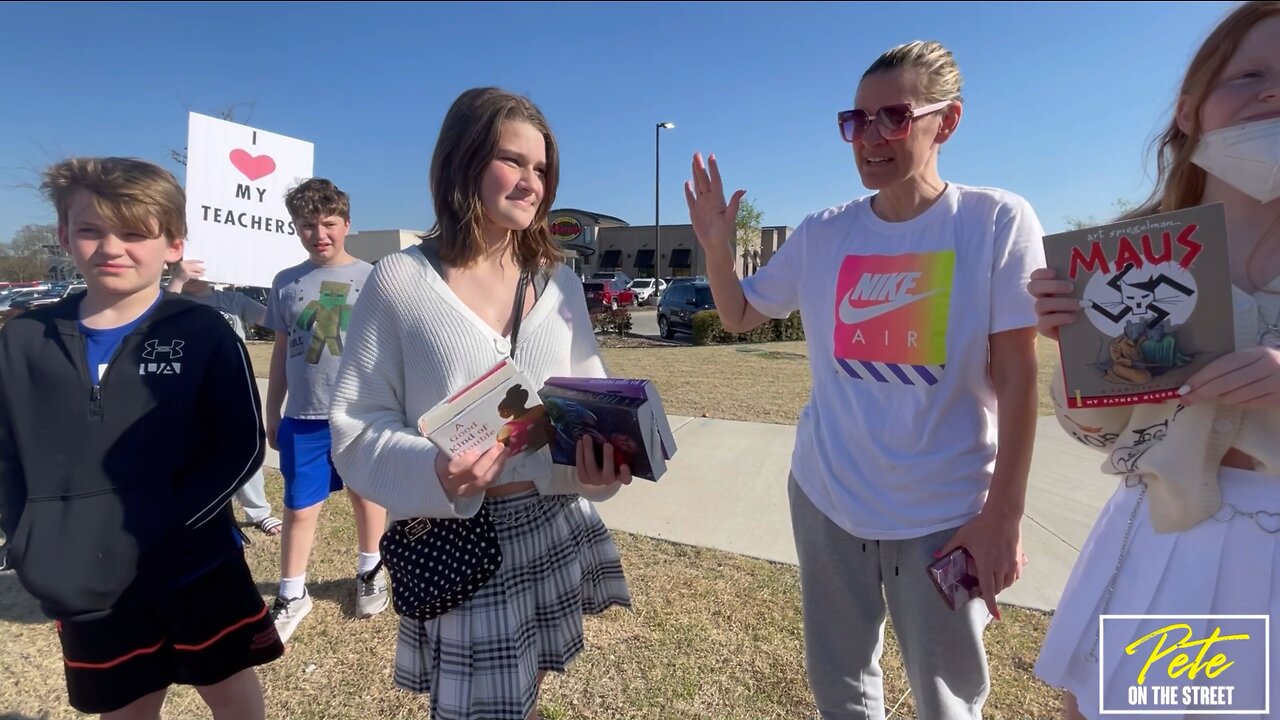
(482, 659)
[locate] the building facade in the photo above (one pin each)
(603, 242)
(594, 242)
(373, 245)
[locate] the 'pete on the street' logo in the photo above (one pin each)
(1163, 664)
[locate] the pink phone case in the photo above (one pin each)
(954, 577)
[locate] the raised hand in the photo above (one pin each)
(714, 221)
(188, 270)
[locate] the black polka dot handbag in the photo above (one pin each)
(436, 564)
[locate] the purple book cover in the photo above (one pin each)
(606, 418)
(634, 389)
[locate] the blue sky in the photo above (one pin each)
(1061, 98)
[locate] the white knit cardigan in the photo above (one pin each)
(411, 343)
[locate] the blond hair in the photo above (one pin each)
(468, 142)
(940, 77)
(131, 194)
(315, 199)
(1179, 182)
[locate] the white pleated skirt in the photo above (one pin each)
(1218, 567)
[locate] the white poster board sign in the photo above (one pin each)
(237, 177)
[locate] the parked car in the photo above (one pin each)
(56, 292)
(257, 294)
(673, 280)
(27, 285)
(603, 294)
(8, 297)
(622, 278)
(647, 289)
(678, 305)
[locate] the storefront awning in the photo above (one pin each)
(611, 259)
(582, 250)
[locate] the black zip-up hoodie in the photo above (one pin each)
(124, 485)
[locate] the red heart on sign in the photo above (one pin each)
(253, 166)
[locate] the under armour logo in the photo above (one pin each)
(173, 350)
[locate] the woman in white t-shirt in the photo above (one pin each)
(918, 323)
(1193, 529)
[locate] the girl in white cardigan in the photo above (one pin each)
(1194, 526)
(429, 321)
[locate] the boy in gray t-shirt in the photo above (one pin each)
(241, 312)
(308, 308)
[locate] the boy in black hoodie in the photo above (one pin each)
(128, 419)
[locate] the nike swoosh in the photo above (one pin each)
(852, 315)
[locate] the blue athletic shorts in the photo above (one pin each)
(309, 474)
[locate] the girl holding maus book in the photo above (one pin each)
(486, 283)
(1193, 528)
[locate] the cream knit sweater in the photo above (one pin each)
(412, 342)
(1176, 450)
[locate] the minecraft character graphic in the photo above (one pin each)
(326, 317)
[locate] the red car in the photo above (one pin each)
(611, 294)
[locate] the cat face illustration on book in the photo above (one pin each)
(1148, 302)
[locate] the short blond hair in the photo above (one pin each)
(940, 77)
(131, 194)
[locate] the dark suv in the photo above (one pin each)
(678, 305)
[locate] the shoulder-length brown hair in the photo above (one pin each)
(468, 142)
(1179, 182)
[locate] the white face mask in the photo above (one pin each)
(1246, 157)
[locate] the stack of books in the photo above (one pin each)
(500, 407)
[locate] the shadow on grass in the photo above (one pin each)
(340, 592)
(17, 606)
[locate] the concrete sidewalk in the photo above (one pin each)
(727, 489)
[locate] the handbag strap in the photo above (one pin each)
(517, 310)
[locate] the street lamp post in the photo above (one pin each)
(657, 226)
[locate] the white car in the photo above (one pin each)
(647, 290)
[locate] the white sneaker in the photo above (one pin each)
(286, 613)
(371, 595)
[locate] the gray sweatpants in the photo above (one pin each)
(253, 498)
(844, 582)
